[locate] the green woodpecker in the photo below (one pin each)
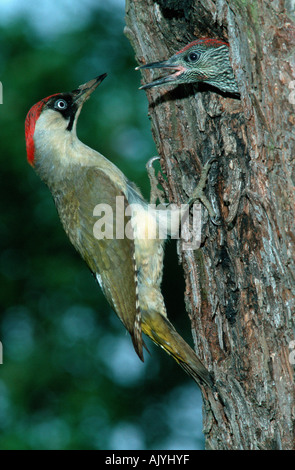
(128, 269)
(204, 60)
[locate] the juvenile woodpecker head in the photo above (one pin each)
(56, 113)
(203, 60)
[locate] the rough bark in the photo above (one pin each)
(240, 283)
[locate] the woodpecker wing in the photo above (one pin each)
(110, 259)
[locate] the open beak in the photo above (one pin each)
(165, 64)
(84, 91)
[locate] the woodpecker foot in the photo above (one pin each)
(156, 192)
(199, 194)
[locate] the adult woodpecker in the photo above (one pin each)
(204, 60)
(128, 269)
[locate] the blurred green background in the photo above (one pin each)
(70, 378)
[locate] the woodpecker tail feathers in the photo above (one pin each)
(163, 333)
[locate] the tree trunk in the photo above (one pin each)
(240, 282)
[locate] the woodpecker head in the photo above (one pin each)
(55, 115)
(203, 60)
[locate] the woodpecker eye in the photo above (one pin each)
(193, 57)
(61, 104)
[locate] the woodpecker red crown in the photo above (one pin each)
(30, 123)
(210, 42)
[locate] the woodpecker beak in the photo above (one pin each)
(84, 91)
(165, 64)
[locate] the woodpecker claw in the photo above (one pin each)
(156, 193)
(199, 194)
(216, 220)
